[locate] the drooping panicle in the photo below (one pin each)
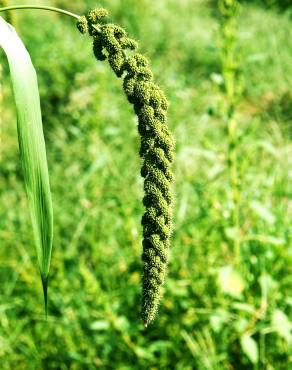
(111, 42)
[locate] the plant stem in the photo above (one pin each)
(234, 181)
(228, 10)
(50, 8)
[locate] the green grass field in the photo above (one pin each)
(220, 310)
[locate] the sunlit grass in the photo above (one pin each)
(92, 155)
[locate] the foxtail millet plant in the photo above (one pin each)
(111, 42)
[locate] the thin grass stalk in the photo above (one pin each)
(40, 7)
(232, 91)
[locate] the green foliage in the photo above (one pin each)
(111, 42)
(31, 146)
(232, 90)
(209, 304)
(281, 4)
(267, 4)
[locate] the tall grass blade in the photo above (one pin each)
(31, 145)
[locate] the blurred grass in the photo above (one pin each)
(92, 148)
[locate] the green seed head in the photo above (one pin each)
(96, 15)
(82, 25)
(156, 151)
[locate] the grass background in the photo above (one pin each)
(216, 314)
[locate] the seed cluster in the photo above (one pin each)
(111, 42)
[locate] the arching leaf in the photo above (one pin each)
(31, 145)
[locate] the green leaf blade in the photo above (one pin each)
(31, 144)
(250, 348)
